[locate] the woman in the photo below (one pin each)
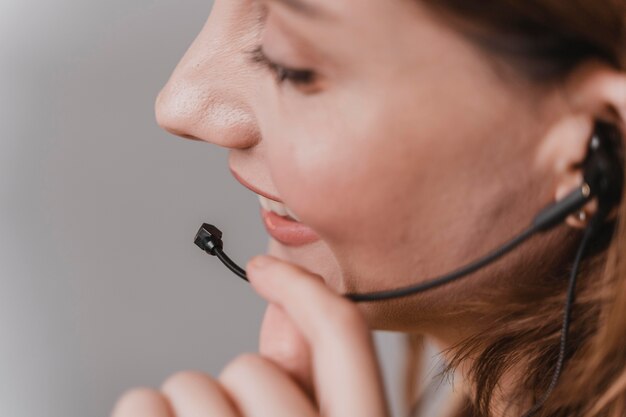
(408, 138)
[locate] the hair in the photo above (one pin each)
(544, 41)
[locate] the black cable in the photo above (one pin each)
(546, 219)
(567, 311)
(230, 264)
(209, 239)
(447, 278)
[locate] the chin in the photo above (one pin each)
(386, 315)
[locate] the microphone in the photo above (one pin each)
(209, 239)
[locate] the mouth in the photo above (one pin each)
(280, 222)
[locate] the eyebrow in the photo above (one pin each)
(303, 7)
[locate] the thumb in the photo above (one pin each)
(282, 343)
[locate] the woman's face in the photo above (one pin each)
(396, 140)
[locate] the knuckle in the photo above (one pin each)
(183, 380)
(241, 365)
(136, 399)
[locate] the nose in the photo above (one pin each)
(209, 95)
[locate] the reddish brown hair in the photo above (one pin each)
(544, 41)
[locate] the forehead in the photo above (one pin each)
(340, 8)
(309, 8)
(377, 20)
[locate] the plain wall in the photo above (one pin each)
(101, 286)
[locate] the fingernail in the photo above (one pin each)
(260, 261)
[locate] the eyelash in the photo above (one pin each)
(295, 76)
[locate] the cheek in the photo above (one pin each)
(347, 183)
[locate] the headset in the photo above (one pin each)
(603, 179)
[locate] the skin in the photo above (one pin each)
(431, 152)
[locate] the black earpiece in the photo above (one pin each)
(603, 179)
(603, 167)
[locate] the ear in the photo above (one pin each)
(594, 91)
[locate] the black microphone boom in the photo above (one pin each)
(209, 239)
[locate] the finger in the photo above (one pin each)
(194, 394)
(142, 402)
(281, 342)
(347, 376)
(261, 389)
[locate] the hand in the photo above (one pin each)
(342, 378)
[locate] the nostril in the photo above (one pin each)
(183, 133)
(179, 132)
(187, 136)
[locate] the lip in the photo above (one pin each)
(287, 232)
(253, 188)
(282, 229)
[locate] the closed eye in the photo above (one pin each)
(282, 73)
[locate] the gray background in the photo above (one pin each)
(101, 286)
